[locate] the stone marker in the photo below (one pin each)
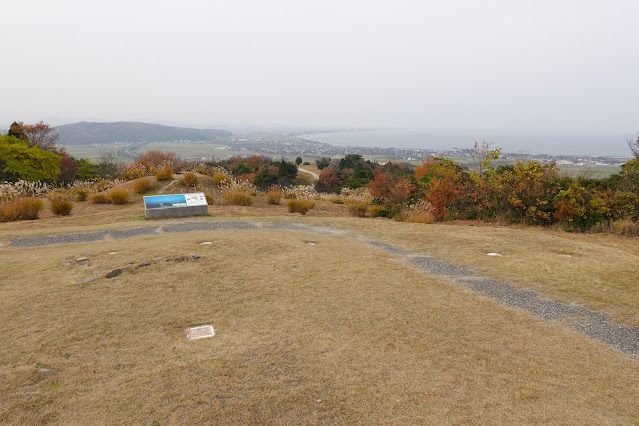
(175, 205)
(200, 332)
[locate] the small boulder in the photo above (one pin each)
(114, 273)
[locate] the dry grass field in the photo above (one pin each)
(309, 328)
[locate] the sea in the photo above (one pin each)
(587, 144)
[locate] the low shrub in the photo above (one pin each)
(336, 200)
(290, 195)
(119, 196)
(626, 227)
(424, 217)
(79, 194)
(142, 185)
(221, 179)
(379, 211)
(209, 198)
(20, 209)
(103, 185)
(237, 198)
(61, 207)
(190, 179)
(300, 206)
(99, 198)
(273, 196)
(357, 208)
(132, 173)
(165, 173)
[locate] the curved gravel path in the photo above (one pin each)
(595, 324)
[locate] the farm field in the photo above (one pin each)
(313, 323)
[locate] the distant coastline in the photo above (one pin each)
(591, 144)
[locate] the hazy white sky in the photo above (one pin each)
(558, 65)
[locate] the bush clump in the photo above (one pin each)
(20, 209)
(61, 207)
(210, 200)
(132, 173)
(191, 179)
(221, 179)
(119, 196)
(99, 198)
(300, 206)
(237, 198)
(103, 185)
(357, 208)
(424, 217)
(165, 173)
(142, 185)
(79, 194)
(273, 196)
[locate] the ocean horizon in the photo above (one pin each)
(557, 143)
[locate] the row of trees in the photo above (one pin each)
(526, 192)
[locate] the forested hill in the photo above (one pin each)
(86, 133)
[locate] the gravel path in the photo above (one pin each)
(87, 237)
(594, 324)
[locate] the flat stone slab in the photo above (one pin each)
(200, 332)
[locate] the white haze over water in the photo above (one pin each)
(592, 144)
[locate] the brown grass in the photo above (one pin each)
(274, 196)
(423, 217)
(165, 173)
(79, 194)
(103, 185)
(190, 179)
(367, 340)
(142, 185)
(600, 272)
(221, 179)
(237, 198)
(300, 206)
(99, 198)
(357, 208)
(119, 196)
(20, 209)
(626, 227)
(61, 207)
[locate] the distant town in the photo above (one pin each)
(292, 146)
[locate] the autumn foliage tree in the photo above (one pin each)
(444, 184)
(156, 159)
(41, 134)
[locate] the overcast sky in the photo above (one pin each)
(556, 65)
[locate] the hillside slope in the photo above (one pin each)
(86, 133)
